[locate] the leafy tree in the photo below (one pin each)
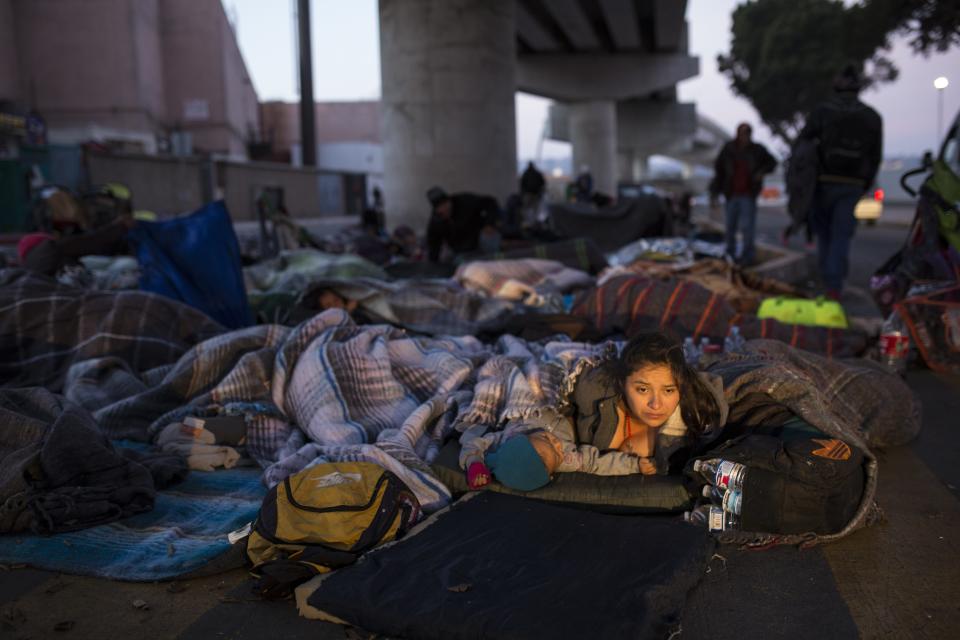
(931, 25)
(785, 53)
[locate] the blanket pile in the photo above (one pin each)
(46, 327)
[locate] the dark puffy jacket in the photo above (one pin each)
(469, 214)
(594, 410)
(759, 162)
(849, 134)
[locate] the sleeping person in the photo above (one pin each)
(643, 411)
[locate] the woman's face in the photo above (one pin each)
(651, 394)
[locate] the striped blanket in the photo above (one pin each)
(629, 304)
(520, 278)
(46, 327)
(330, 390)
(433, 307)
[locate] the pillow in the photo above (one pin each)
(609, 494)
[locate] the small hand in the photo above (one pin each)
(648, 467)
(478, 475)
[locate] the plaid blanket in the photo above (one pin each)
(296, 270)
(432, 307)
(629, 305)
(577, 253)
(743, 289)
(331, 390)
(45, 327)
(515, 279)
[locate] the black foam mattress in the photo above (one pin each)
(501, 566)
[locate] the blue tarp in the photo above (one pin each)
(195, 259)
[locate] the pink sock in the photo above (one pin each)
(478, 475)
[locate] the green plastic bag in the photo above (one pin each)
(815, 313)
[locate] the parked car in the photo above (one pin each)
(870, 207)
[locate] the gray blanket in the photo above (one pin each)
(855, 401)
(45, 327)
(58, 472)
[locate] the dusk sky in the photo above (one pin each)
(346, 59)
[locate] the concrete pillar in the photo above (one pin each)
(447, 108)
(9, 75)
(593, 134)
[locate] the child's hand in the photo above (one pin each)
(647, 467)
(478, 475)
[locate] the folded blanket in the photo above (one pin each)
(58, 472)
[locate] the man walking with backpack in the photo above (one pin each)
(849, 137)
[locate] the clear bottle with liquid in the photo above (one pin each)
(723, 474)
(733, 502)
(690, 351)
(894, 343)
(734, 341)
(720, 520)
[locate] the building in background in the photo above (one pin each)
(136, 75)
(347, 134)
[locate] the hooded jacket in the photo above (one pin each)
(759, 162)
(594, 406)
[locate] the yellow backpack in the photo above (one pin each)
(326, 517)
(815, 313)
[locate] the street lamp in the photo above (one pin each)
(940, 84)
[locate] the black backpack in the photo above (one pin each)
(794, 487)
(845, 142)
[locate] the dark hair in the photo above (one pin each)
(698, 407)
(849, 78)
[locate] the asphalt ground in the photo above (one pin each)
(897, 579)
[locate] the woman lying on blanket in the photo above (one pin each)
(640, 412)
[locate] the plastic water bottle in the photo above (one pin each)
(894, 343)
(734, 341)
(715, 494)
(733, 502)
(720, 520)
(699, 516)
(723, 474)
(690, 352)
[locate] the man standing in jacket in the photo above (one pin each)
(849, 138)
(738, 175)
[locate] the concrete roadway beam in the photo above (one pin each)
(655, 125)
(621, 19)
(670, 25)
(574, 23)
(532, 32)
(578, 77)
(447, 111)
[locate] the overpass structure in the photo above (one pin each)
(450, 69)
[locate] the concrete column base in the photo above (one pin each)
(593, 133)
